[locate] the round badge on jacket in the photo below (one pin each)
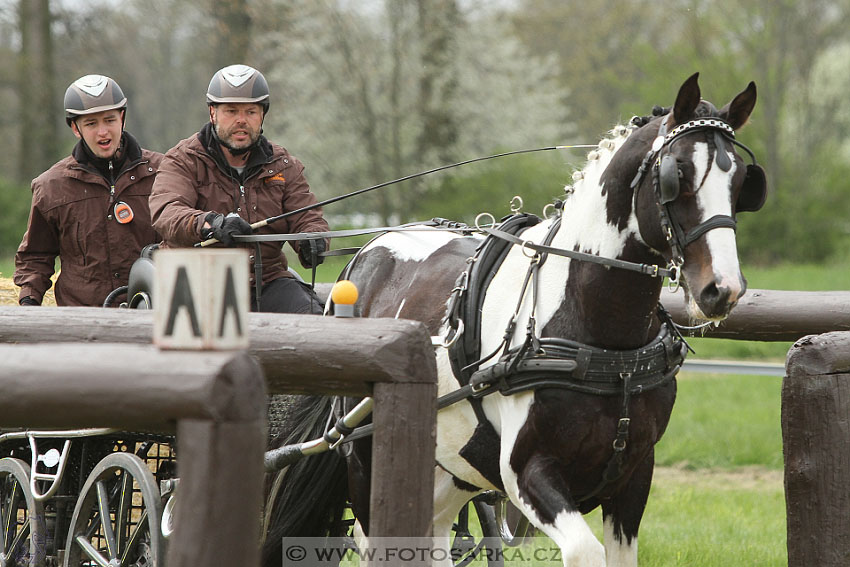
(123, 212)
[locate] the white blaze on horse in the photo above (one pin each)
(558, 374)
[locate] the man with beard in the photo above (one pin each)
(91, 208)
(228, 176)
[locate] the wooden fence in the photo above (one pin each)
(391, 360)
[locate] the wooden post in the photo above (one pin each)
(816, 445)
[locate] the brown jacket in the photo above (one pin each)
(72, 217)
(194, 179)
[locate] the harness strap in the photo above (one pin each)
(646, 269)
(614, 468)
(717, 221)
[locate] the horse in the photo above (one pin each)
(556, 363)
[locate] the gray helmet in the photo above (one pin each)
(238, 83)
(90, 94)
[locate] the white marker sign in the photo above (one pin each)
(201, 299)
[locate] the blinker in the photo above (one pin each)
(668, 174)
(753, 191)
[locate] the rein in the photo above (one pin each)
(646, 269)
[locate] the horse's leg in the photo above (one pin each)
(536, 485)
(449, 497)
(542, 494)
(622, 515)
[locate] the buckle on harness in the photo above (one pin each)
(622, 433)
(442, 342)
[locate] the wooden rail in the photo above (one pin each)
(770, 315)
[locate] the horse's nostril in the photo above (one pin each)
(715, 299)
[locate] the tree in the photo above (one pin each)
(439, 25)
(231, 32)
(362, 110)
(36, 88)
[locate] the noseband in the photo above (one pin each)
(665, 182)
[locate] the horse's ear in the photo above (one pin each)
(737, 112)
(687, 99)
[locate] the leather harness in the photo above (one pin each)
(550, 362)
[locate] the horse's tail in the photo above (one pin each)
(307, 498)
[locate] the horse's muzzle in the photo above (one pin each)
(717, 299)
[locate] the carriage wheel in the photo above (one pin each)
(514, 527)
(116, 521)
(22, 527)
(465, 548)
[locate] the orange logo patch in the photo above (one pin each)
(276, 177)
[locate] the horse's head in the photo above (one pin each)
(693, 186)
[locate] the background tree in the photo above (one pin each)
(36, 86)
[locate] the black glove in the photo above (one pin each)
(223, 228)
(310, 249)
(28, 301)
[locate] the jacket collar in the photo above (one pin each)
(129, 154)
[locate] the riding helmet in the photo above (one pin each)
(238, 83)
(91, 94)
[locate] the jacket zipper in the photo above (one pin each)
(111, 183)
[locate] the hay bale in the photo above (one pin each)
(9, 293)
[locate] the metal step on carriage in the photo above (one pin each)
(85, 497)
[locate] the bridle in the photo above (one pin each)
(665, 182)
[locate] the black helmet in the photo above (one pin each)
(90, 94)
(238, 83)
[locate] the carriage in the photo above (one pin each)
(85, 497)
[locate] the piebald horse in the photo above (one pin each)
(561, 373)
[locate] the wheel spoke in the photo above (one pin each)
(10, 518)
(135, 537)
(122, 512)
(105, 519)
(21, 536)
(91, 552)
(4, 526)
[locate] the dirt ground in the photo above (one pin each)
(749, 478)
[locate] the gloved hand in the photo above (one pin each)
(28, 301)
(307, 249)
(222, 228)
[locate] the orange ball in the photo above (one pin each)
(344, 293)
